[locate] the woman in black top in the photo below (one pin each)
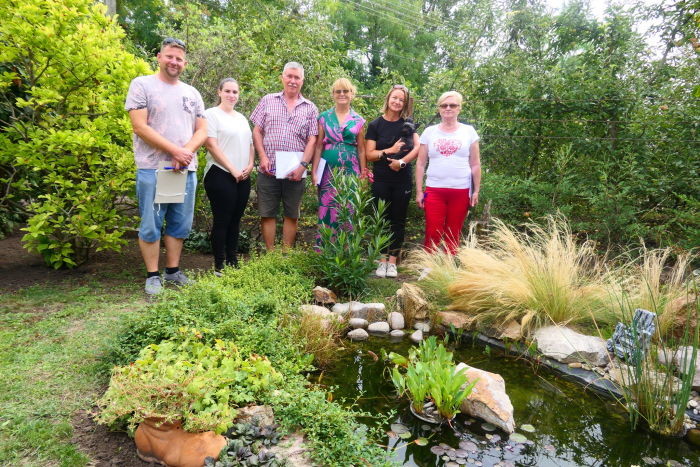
(393, 173)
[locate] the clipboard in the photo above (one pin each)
(319, 170)
(286, 161)
(170, 184)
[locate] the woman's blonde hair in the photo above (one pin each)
(454, 94)
(407, 97)
(344, 83)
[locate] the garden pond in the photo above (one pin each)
(572, 427)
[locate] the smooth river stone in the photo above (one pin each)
(397, 333)
(357, 323)
(379, 326)
(417, 336)
(358, 335)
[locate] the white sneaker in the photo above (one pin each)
(381, 270)
(391, 270)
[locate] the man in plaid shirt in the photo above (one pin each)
(284, 121)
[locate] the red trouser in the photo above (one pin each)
(445, 211)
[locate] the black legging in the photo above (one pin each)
(228, 201)
(397, 196)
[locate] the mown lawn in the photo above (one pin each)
(52, 339)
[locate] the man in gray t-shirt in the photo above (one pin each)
(169, 124)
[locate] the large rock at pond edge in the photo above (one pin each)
(263, 412)
(358, 323)
(396, 320)
(417, 336)
(319, 310)
(626, 375)
(324, 296)
(358, 335)
(458, 319)
(566, 346)
(682, 361)
(411, 302)
(509, 330)
(370, 311)
(693, 436)
(344, 308)
(488, 400)
(380, 326)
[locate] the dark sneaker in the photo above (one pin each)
(179, 278)
(154, 285)
(218, 273)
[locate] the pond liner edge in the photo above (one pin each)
(587, 379)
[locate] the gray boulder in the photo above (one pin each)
(396, 320)
(380, 326)
(397, 333)
(566, 346)
(682, 359)
(417, 336)
(488, 400)
(358, 323)
(425, 327)
(358, 335)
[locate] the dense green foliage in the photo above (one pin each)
(184, 380)
(246, 306)
(65, 158)
(347, 254)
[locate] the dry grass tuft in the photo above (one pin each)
(316, 335)
(544, 276)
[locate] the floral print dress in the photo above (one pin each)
(340, 151)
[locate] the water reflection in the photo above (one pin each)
(573, 427)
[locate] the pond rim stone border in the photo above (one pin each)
(587, 379)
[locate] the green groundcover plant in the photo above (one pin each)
(189, 381)
(246, 306)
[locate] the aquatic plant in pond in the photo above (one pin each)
(431, 374)
(651, 390)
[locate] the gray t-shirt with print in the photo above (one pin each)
(172, 113)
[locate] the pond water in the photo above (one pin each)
(572, 427)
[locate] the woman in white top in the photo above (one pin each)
(454, 174)
(227, 173)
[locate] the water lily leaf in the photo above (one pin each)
(399, 428)
(437, 450)
(405, 435)
(452, 464)
(468, 446)
(425, 427)
(392, 434)
(488, 426)
(422, 441)
(528, 428)
(461, 453)
(518, 438)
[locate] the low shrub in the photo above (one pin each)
(347, 254)
(249, 306)
(183, 379)
(317, 336)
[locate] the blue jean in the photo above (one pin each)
(178, 216)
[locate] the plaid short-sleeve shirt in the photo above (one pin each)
(285, 131)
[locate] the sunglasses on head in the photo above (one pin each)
(171, 40)
(342, 91)
(449, 106)
(400, 86)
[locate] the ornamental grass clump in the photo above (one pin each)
(534, 277)
(189, 381)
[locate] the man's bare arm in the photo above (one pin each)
(139, 122)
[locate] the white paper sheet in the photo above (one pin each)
(170, 184)
(286, 162)
(319, 170)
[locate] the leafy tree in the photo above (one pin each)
(65, 131)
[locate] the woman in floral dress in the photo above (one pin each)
(341, 143)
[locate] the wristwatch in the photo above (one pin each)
(304, 164)
(381, 155)
(402, 163)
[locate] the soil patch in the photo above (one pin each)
(106, 448)
(20, 269)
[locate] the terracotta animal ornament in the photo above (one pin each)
(168, 444)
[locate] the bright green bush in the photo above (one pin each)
(183, 379)
(67, 139)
